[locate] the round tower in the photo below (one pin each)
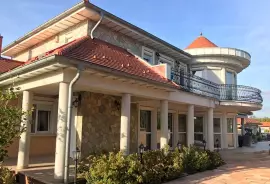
(217, 64)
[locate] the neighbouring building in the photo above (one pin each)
(265, 127)
(130, 87)
(253, 124)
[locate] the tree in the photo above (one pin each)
(10, 119)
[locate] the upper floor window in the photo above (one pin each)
(41, 118)
(148, 55)
(230, 77)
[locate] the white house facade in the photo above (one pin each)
(97, 82)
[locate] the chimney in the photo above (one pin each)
(1, 40)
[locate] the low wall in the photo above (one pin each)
(40, 145)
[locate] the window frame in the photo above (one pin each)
(149, 52)
(40, 108)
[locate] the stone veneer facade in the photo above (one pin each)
(101, 116)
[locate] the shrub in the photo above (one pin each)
(158, 166)
(6, 175)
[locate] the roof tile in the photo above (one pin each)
(8, 64)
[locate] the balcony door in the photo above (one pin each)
(230, 80)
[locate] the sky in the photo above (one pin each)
(242, 24)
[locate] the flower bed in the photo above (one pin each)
(156, 166)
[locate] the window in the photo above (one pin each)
(217, 132)
(170, 129)
(145, 128)
(148, 55)
(230, 78)
(41, 118)
(198, 130)
(182, 130)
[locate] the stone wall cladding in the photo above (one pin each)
(101, 123)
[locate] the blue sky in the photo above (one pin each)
(241, 24)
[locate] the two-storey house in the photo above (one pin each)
(111, 85)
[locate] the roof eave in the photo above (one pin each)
(45, 25)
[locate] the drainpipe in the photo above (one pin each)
(69, 116)
(93, 29)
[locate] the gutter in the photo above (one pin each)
(69, 116)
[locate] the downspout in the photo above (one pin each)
(69, 116)
(94, 28)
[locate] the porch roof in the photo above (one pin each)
(105, 55)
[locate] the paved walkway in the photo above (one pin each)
(253, 168)
(232, 173)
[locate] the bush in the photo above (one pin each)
(6, 175)
(158, 166)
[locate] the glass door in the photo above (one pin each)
(145, 129)
(230, 87)
(217, 133)
(230, 130)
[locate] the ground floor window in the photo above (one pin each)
(145, 128)
(230, 130)
(182, 130)
(217, 132)
(41, 118)
(198, 130)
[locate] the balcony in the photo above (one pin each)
(221, 92)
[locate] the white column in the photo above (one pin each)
(154, 129)
(164, 123)
(224, 132)
(190, 125)
(125, 124)
(61, 131)
(24, 143)
(210, 130)
(175, 130)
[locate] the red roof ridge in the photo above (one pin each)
(201, 42)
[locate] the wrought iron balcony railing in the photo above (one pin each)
(222, 92)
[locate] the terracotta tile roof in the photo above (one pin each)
(248, 120)
(265, 124)
(107, 55)
(8, 64)
(201, 42)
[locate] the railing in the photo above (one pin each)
(222, 92)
